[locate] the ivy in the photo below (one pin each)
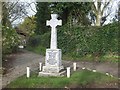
(88, 40)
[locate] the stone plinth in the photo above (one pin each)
(53, 65)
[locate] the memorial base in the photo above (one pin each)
(61, 73)
(52, 69)
(53, 64)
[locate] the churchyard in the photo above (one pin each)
(61, 51)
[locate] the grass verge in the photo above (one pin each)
(79, 79)
(38, 49)
(106, 58)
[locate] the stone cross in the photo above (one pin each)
(53, 23)
(53, 63)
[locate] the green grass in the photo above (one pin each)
(106, 58)
(80, 78)
(39, 49)
(112, 59)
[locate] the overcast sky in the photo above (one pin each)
(112, 13)
(114, 9)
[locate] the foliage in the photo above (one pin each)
(76, 11)
(34, 41)
(38, 49)
(73, 13)
(12, 11)
(42, 40)
(5, 19)
(43, 14)
(79, 79)
(10, 40)
(39, 43)
(28, 26)
(80, 41)
(85, 43)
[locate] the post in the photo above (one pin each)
(74, 66)
(40, 66)
(68, 72)
(28, 72)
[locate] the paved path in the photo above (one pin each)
(22, 60)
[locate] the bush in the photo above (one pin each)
(82, 41)
(45, 40)
(34, 41)
(37, 40)
(10, 40)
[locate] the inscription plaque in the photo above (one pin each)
(52, 58)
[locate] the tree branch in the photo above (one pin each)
(13, 5)
(94, 8)
(28, 16)
(31, 7)
(105, 6)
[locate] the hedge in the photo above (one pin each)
(80, 41)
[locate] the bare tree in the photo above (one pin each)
(98, 9)
(13, 11)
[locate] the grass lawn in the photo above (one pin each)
(83, 78)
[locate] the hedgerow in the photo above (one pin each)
(79, 41)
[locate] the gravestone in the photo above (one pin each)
(53, 64)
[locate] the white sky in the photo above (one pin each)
(112, 13)
(113, 10)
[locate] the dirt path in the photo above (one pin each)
(17, 66)
(19, 61)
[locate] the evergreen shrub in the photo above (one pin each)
(79, 41)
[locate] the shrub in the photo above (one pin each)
(37, 40)
(10, 40)
(45, 40)
(34, 41)
(81, 41)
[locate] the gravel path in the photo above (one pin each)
(26, 58)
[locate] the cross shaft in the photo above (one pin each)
(53, 23)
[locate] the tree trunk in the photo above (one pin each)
(98, 19)
(0, 11)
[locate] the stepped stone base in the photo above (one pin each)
(53, 64)
(61, 73)
(52, 69)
